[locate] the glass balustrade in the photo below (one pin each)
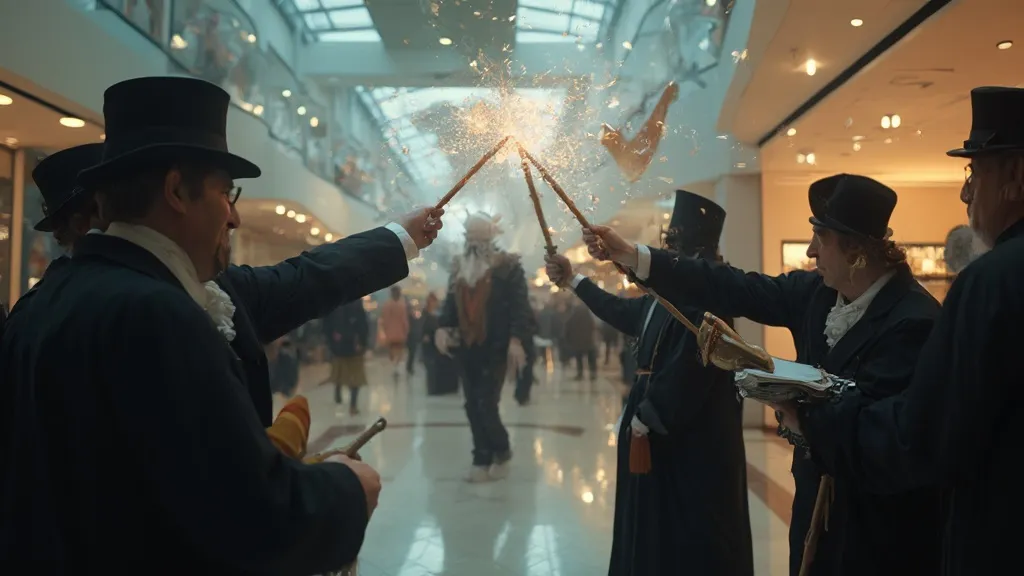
(217, 41)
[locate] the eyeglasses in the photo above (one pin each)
(233, 194)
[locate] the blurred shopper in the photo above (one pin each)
(414, 340)
(347, 331)
(580, 339)
(610, 339)
(394, 323)
(427, 345)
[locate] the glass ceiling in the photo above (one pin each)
(561, 20)
(333, 20)
(398, 110)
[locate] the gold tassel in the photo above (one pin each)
(639, 454)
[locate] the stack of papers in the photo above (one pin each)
(789, 381)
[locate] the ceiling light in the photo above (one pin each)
(251, 38)
(11, 141)
(856, 22)
(1005, 45)
(286, 93)
(178, 43)
(811, 158)
(328, 236)
(314, 121)
(445, 41)
(257, 110)
(103, 137)
(280, 209)
(301, 110)
(314, 231)
(791, 132)
(801, 158)
(811, 67)
(6, 100)
(710, 3)
(886, 122)
(72, 122)
(858, 138)
(290, 214)
(856, 146)
(627, 45)
(896, 120)
(300, 218)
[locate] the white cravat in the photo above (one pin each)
(845, 314)
(209, 296)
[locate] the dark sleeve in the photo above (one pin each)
(886, 371)
(680, 383)
(208, 461)
(933, 430)
(623, 314)
(519, 300)
(730, 292)
(282, 297)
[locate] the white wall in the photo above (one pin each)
(272, 28)
(77, 55)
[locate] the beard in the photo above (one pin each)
(476, 262)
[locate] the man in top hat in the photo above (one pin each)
(860, 316)
(486, 316)
(69, 210)
(954, 425)
(689, 512)
(131, 439)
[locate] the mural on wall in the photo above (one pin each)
(927, 262)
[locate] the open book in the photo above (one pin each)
(789, 381)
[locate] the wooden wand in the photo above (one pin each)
(586, 224)
(549, 246)
(352, 450)
(472, 171)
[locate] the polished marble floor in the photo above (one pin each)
(551, 517)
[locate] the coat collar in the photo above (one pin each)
(864, 330)
(125, 253)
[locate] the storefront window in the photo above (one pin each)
(6, 212)
(37, 248)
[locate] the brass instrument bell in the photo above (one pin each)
(722, 346)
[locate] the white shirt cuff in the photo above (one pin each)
(408, 244)
(576, 280)
(643, 262)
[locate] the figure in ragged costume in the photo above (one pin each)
(860, 316)
(485, 321)
(689, 512)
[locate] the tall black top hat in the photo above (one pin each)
(997, 123)
(696, 222)
(56, 175)
(166, 117)
(852, 204)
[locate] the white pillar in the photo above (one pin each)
(741, 247)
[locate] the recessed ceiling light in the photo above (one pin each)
(286, 93)
(856, 22)
(1005, 45)
(314, 231)
(6, 100)
(290, 214)
(251, 38)
(445, 41)
(314, 121)
(328, 236)
(791, 132)
(301, 110)
(811, 67)
(280, 209)
(300, 218)
(72, 122)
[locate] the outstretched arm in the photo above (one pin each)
(623, 314)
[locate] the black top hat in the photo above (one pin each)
(167, 116)
(696, 223)
(997, 123)
(56, 175)
(852, 204)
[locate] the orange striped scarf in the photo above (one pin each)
(290, 430)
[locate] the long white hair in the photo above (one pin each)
(481, 231)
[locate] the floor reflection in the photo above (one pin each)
(552, 516)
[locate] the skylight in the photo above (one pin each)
(333, 20)
(396, 111)
(560, 20)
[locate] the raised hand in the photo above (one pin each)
(422, 225)
(559, 270)
(369, 479)
(603, 243)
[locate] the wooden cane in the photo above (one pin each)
(586, 224)
(819, 521)
(352, 450)
(472, 171)
(549, 245)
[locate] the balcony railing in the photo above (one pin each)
(217, 41)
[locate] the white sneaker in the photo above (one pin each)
(478, 475)
(499, 471)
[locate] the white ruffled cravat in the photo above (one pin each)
(209, 296)
(844, 315)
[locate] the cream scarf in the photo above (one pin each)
(845, 314)
(209, 296)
